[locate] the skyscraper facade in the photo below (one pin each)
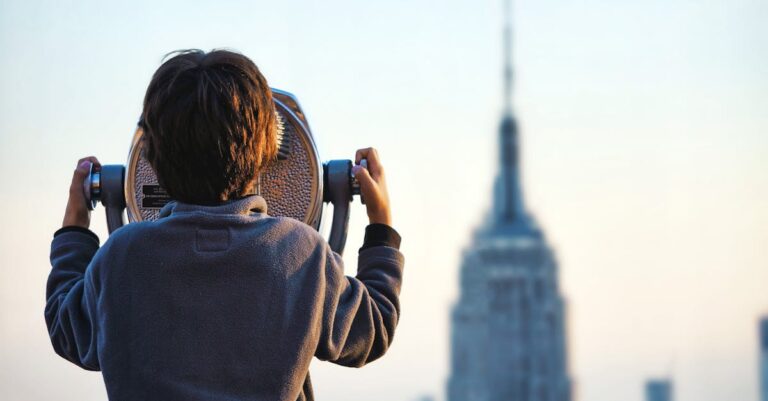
(658, 390)
(764, 358)
(508, 338)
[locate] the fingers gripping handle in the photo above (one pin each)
(356, 184)
(106, 186)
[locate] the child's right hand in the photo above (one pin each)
(373, 186)
(77, 213)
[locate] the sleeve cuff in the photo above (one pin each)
(76, 229)
(380, 235)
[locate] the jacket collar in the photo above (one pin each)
(247, 205)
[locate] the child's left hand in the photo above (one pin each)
(77, 213)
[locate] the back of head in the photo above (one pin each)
(210, 126)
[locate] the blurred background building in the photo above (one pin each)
(658, 390)
(764, 358)
(508, 335)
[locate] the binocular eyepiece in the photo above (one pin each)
(296, 185)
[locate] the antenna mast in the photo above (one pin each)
(507, 43)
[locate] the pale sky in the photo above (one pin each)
(645, 151)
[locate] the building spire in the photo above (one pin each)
(508, 197)
(507, 51)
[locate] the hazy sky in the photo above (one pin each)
(645, 151)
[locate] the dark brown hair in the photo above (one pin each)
(209, 123)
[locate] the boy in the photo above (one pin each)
(216, 300)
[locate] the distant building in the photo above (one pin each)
(764, 358)
(508, 332)
(658, 390)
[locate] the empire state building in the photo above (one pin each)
(508, 339)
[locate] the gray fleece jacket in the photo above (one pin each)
(217, 303)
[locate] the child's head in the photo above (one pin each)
(210, 125)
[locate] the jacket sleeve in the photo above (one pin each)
(360, 313)
(70, 310)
